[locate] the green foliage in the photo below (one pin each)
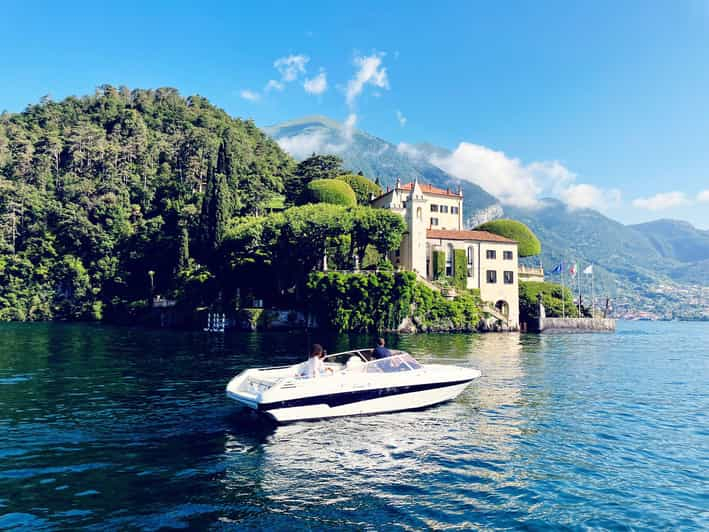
(379, 301)
(551, 298)
(380, 228)
(97, 191)
(438, 263)
(311, 169)
(528, 243)
(330, 191)
(460, 269)
(363, 187)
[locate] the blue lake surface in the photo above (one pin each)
(123, 428)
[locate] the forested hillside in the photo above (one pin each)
(101, 196)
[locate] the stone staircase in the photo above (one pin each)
(487, 307)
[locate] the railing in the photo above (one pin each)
(531, 270)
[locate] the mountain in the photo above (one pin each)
(620, 254)
(676, 239)
(654, 266)
(376, 158)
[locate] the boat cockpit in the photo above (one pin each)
(361, 361)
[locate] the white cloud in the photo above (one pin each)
(316, 85)
(703, 196)
(369, 71)
(662, 201)
(508, 179)
(349, 127)
(585, 196)
(291, 67)
(409, 150)
(304, 145)
(252, 96)
(274, 85)
(401, 118)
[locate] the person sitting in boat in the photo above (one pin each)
(380, 351)
(315, 367)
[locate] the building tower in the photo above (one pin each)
(417, 221)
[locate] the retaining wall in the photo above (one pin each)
(580, 324)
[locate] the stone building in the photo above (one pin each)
(434, 218)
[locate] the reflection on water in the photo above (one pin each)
(124, 428)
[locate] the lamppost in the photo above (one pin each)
(151, 274)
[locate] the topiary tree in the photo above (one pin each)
(312, 168)
(363, 187)
(331, 191)
(529, 244)
(460, 269)
(439, 263)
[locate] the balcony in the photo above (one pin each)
(531, 273)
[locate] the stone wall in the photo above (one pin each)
(578, 324)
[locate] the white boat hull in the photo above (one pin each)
(393, 403)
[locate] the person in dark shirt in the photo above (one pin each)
(380, 351)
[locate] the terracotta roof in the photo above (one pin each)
(425, 187)
(430, 189)
(484, 236)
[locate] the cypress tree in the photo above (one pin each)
(206, 227)
(221, 210)
(183, 251)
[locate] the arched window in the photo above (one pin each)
(419, 213)
(470, 261)
(449, 260)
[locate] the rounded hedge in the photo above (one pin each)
(331, 191)
(363, 188)
(529, 244)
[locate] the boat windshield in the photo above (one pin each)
(393, 364)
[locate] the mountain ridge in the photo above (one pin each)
(629, 260)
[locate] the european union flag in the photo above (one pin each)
(558, 268)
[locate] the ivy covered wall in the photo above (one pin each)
(370, 302)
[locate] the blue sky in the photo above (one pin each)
(601, 103)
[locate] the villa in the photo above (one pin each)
(434, 217)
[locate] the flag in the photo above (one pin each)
(589, 269)
(558, 268)
(572, 270)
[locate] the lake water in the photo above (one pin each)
(105, 427)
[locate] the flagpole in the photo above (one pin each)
(593, 300)
(578, 282)
(563, 295)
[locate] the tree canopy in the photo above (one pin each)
(363, 188)
(312, 168)
(529, 244)
(331, 191)
(97, 191)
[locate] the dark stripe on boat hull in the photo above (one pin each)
(344, 398)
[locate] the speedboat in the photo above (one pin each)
(353, 384)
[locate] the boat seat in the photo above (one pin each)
(354, 363)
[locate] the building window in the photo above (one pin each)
(449, 260)
(507, 255)
(434, 221)
(444, 208)
(509, 277)
(491, 254)
(470, 261)
(454, 210)
(419, 213)
(403, 204)
(434, 208)
(491, 276)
